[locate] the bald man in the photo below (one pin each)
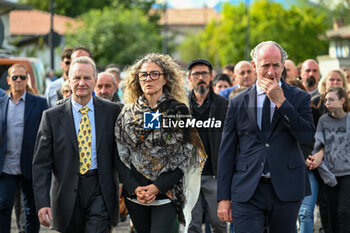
(244, 76)
(310, 76)
(292, 70)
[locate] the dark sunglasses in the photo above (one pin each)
(67, 62)
(15, 77)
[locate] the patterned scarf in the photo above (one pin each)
(155, 151)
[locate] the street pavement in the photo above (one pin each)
(123, 227)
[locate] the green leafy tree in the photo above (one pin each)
(335, 10)
(116, 35)
(296, 29)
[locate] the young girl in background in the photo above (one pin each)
(332, 157)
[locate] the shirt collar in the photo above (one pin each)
(23, 97)
(260, 91)
(76, 106)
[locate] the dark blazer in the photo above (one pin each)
(244, 150)
(56, 156)
(33, 109)
(218, 109)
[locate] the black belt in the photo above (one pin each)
(265, 180)
(89, 173)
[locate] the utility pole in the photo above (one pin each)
(165, 28)
(51, 45)
(246, 43)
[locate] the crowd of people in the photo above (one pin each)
(257, 145)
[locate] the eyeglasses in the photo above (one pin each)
(204, 74)
(67, 63)
(154, 75)
(15, 77)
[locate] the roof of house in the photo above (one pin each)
(342, 32)
(184, 17)
(35, 22)
(7, 6)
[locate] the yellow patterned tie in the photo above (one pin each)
(84, 141)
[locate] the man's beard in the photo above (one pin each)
(201, 89)
(310, 82)
(107, 97)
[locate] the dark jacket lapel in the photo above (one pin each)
(28, 107)
(287, 95)
(66, 120)
(99, 119)
(251, 105)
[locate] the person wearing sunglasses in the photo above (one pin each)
(20, 115)
(53, 90)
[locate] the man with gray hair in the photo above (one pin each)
(75, 148)
(262, 176)
(106, 86)
(291, 69)
(113, 69)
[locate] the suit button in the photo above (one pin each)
(267, 145)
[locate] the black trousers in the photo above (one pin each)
(8, 189)
(90, 214)
(251, 216)
(152, 219)
(338, 198)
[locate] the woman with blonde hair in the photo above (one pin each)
(333, 78)
(158, 164)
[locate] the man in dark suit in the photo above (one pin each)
(261, 171)
(75, 148)
(19, 119)
(206, 105)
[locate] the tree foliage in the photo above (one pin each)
(116, 35)
(296, 29)
(335, 10)
(78, 7)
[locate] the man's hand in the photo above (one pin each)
(273, 90)
(225, 211)
(45, 216)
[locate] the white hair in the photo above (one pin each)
(83, 60)
(254, 53)
(107, 73)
